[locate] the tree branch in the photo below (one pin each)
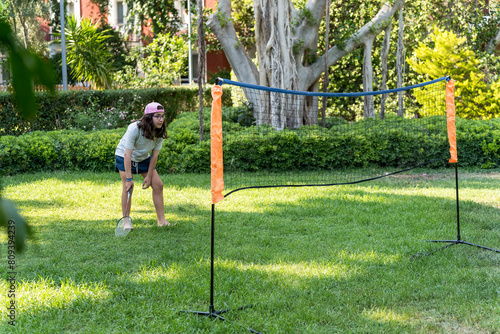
(237, 56)
(372, 28)
(494, 43)
(305, 28)
(306, 33)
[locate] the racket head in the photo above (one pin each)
(121, 230)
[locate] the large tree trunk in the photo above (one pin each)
(325, 77)
(400, 61)
(386, 46)
(369, 110)
(282, 54)
(279, 67)
(201, 65)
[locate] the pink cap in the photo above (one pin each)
(153, 107)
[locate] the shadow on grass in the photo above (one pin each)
(202, 181)
(348, 293)
(313, 265)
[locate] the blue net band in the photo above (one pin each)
(296, 92)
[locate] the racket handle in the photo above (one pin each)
(129, 193)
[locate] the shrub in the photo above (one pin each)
(56, 150)
(478, 142)
(476, 98)
(334, 121)
(369, 143)
(89, 110)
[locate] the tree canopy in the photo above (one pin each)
(290, 47)
(287, 42)
(24, 17)
(162, 15)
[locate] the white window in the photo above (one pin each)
(70, 9)
(120, 13)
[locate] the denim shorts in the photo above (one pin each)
(136, 168)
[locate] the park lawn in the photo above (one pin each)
(311, 260)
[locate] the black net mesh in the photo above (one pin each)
(273, 138)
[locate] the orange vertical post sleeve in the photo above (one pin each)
(216, 162)
(450, 115)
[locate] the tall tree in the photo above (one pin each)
(447, 54)
(161, 15)
(116, 44)
(163, 61)
(25, 18)
(201, 64)
(287, 40)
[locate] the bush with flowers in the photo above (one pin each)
(96, 117)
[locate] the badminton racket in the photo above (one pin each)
(124, 225)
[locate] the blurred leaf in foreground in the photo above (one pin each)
(27, 68)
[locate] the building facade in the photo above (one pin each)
(117, 16)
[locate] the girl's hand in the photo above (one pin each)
(147, 182)
(129, 185)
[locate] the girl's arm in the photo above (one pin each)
(127, 160)
(152, 164)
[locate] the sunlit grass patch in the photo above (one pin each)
(294, 270)
(386, 316)
(147, 274)
(32, 297)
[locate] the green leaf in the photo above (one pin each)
(14, 224)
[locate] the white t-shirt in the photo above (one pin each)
(134, 140)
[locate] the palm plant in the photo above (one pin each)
(87, 55)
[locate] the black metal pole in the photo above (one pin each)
(458, 202)
(458, 241)
(212, 243)
(64, 68)
(212, 313)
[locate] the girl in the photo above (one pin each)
(132, 156)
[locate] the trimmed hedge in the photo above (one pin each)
(365, 144)
(99, 109)
(59, 150)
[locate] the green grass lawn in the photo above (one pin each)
(312, 260)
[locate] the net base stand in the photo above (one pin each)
(212, 313)
(453, 243)
(458, 241)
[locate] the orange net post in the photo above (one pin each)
(217, 166)
(450, 114)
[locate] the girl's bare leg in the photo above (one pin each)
(125, 212)
(157, 186)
